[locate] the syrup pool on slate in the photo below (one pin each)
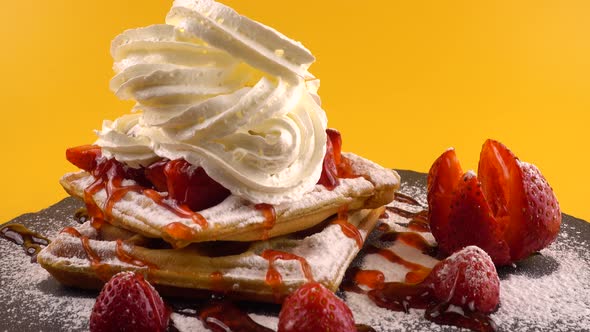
(30, 241)
(416, 292)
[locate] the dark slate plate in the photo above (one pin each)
(549, 291)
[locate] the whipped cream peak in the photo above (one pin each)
(122, 139)
(256, 44)
(224, 93)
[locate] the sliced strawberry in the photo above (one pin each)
(128, 303)
(84, 157)
(335, 138)
(190, 185)
(313, 307)
(510, 212)
(521, 200)
(329, 177)
(155, 174)
(471, 222)
(540, 213)
(443, 178)
(467, 279)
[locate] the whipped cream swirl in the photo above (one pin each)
(223, 92)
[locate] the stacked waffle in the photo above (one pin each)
(225, 178)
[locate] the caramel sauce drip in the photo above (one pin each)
(419, 224)
(126, 257)
(418, 220)
(383, 227)
(473, 320)
(347, 228)
(398, 296)
(29, 240)
(273, 277)
(270, 218)
(364, 328)
(225, 316)
(402, 198)
(81, 215)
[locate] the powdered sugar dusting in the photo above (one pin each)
(547, 292)
(30, 297)
(138, 213)
(559, 301)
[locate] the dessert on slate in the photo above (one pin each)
(225, 177)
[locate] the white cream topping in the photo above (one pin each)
(223, 92)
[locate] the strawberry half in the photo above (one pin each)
(508, 209)
(128, 303)
(467, 279)
(443, 178)
(332, 159)
(190, 185)
(312, 307)
(521, 200)
(84, 157)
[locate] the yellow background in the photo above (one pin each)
(402, 80)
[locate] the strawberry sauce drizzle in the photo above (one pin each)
(400, 296)
(109, 176)
(347, 228)
(270, 218)
(417, 271)
(412, 239)
(126, 257)
(416, 291)
(101, 270)
(178, 209)
(179, 231)
(93, 210)
(273, 277)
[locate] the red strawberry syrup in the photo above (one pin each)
(270, 218)
(348, 229)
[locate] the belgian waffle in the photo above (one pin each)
(85, 257)
(236, 219)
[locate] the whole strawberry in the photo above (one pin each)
(313, 307)
(128, 303)
(467, 279)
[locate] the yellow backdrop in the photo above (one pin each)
(402, 80)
